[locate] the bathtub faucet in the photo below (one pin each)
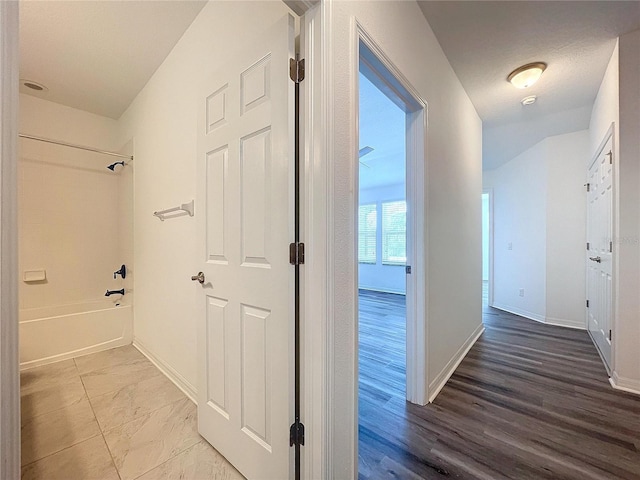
(114, 292)
(122, 272)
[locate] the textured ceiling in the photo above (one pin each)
(485, 41)
(97, 55)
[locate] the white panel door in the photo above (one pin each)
(599, 255)
(245, 214)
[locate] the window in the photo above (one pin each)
(394, 233)
(367, 229)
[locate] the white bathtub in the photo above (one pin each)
(51, 334)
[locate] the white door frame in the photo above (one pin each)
(9, 359)
(331, 446)
(489, 191)
(388, 78)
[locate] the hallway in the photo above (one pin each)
(530, 401)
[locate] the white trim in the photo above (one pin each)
(565, 322)
(489, 191)
(443, 377)
(403, 93)
(316, 119)
(522, 313)
(625, 384)
(556, 322)
(9, 356)
(382, 290)
(178, 380)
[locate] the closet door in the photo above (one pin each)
(600, 253)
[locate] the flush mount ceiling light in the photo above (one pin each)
(530, 100)
(38, 87)
(526, 75)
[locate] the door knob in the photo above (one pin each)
(595, 259)
(199, 277)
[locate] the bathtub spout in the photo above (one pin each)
(114, 292)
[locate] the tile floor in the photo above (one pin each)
(111, 415)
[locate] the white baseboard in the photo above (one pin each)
(443, 377)
(383, 290)
(564, 322)
(518, 311)
(558, 322)
(625, 384)
(182, 383)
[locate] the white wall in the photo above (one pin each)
(618, 103)
(520, 231)
(566, 228)
(453, 185)
(69, 215)
(379, 277)
(605, 108)
(627, 238)
(162, 120)
(539, 209)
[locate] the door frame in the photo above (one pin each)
(489, 191)
(9, 356)
(388, 79)
(330, 396)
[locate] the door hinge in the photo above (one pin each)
(587, 245)
(407, 269)
(296, 434)
(610, 247)
(587, 303)
(610, 154)
(588, 185)
(296, 253)
(296, 70)
(609, 335)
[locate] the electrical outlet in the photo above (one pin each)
(509, 246)
(522, 292)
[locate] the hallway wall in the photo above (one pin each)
(618, 103)
(626, 360)
(453, 185)
(163, 120)
(540, 212)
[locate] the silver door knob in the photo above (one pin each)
(595, 259)
(199, 277)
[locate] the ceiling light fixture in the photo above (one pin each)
(530, 100)
(33, 85)
(526, 75)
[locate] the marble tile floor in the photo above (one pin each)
(111, 415)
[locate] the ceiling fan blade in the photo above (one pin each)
(364, 151)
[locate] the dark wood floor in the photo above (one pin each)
(530, 401)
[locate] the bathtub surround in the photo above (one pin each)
(111, 415)
(51, 334)
(75, 219)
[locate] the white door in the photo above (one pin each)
(600, 252)
(245, 214)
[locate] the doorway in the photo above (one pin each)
(391, 242)
(487, 248)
